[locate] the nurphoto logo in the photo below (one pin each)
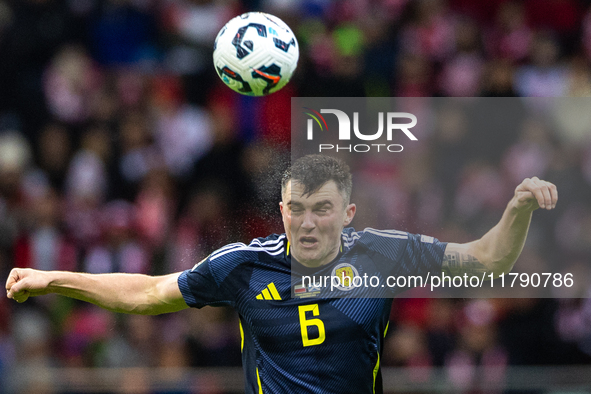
(392, 122)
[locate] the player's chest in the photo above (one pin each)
(285, 314)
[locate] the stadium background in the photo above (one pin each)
(120, 150)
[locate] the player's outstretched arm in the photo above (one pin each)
(126, 293)
(498, 249)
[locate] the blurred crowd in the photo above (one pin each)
(122, 151)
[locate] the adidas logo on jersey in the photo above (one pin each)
(269, 293)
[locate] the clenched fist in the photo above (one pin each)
(534, 193)
(23, 283)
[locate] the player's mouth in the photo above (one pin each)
(308, 242)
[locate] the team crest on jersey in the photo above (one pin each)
(346, 273)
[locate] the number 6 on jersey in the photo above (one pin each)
(305, 323)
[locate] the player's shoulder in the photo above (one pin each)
(222, 262)
(236, 253)
(389, 243)
(369, 236)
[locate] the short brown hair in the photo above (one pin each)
(313, 171)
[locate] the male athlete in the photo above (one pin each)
(302, 339)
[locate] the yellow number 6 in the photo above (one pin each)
(305, 323)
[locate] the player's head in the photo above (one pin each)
(313, 171)
(316, 191)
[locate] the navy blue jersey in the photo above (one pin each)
(300, 338)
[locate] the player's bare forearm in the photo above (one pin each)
(125, 293)
(497, 251)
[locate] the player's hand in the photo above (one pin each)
(534, 193)
(23, 283)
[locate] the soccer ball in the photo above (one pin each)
(255, 54)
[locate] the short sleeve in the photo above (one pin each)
(199, 286)
(401, 253)
(422, 255)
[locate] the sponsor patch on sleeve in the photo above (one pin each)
(426, 239)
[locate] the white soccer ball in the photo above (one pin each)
(255, 54)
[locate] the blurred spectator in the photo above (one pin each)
(134, 345)
(461, 74)
(213, 339)
(530, 156)
(87, 185)
(545, 76)
(156, 205)
(43, 246)
(138, 154)
(414, 77)
(431, 31)
(55, 153)
(497, 79)
(407, 347)
(579, 78)
(199, 21)
(510, 38)
(119, 251)
(208, 215)
(573, 320)
(478, 347)
(32, 338)
(82, 331)
(15, 158)
(70, 82)
(182, 131)
(481, 187)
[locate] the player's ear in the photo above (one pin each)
(349, 214)
(281, 206)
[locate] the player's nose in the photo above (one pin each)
(308, 222)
